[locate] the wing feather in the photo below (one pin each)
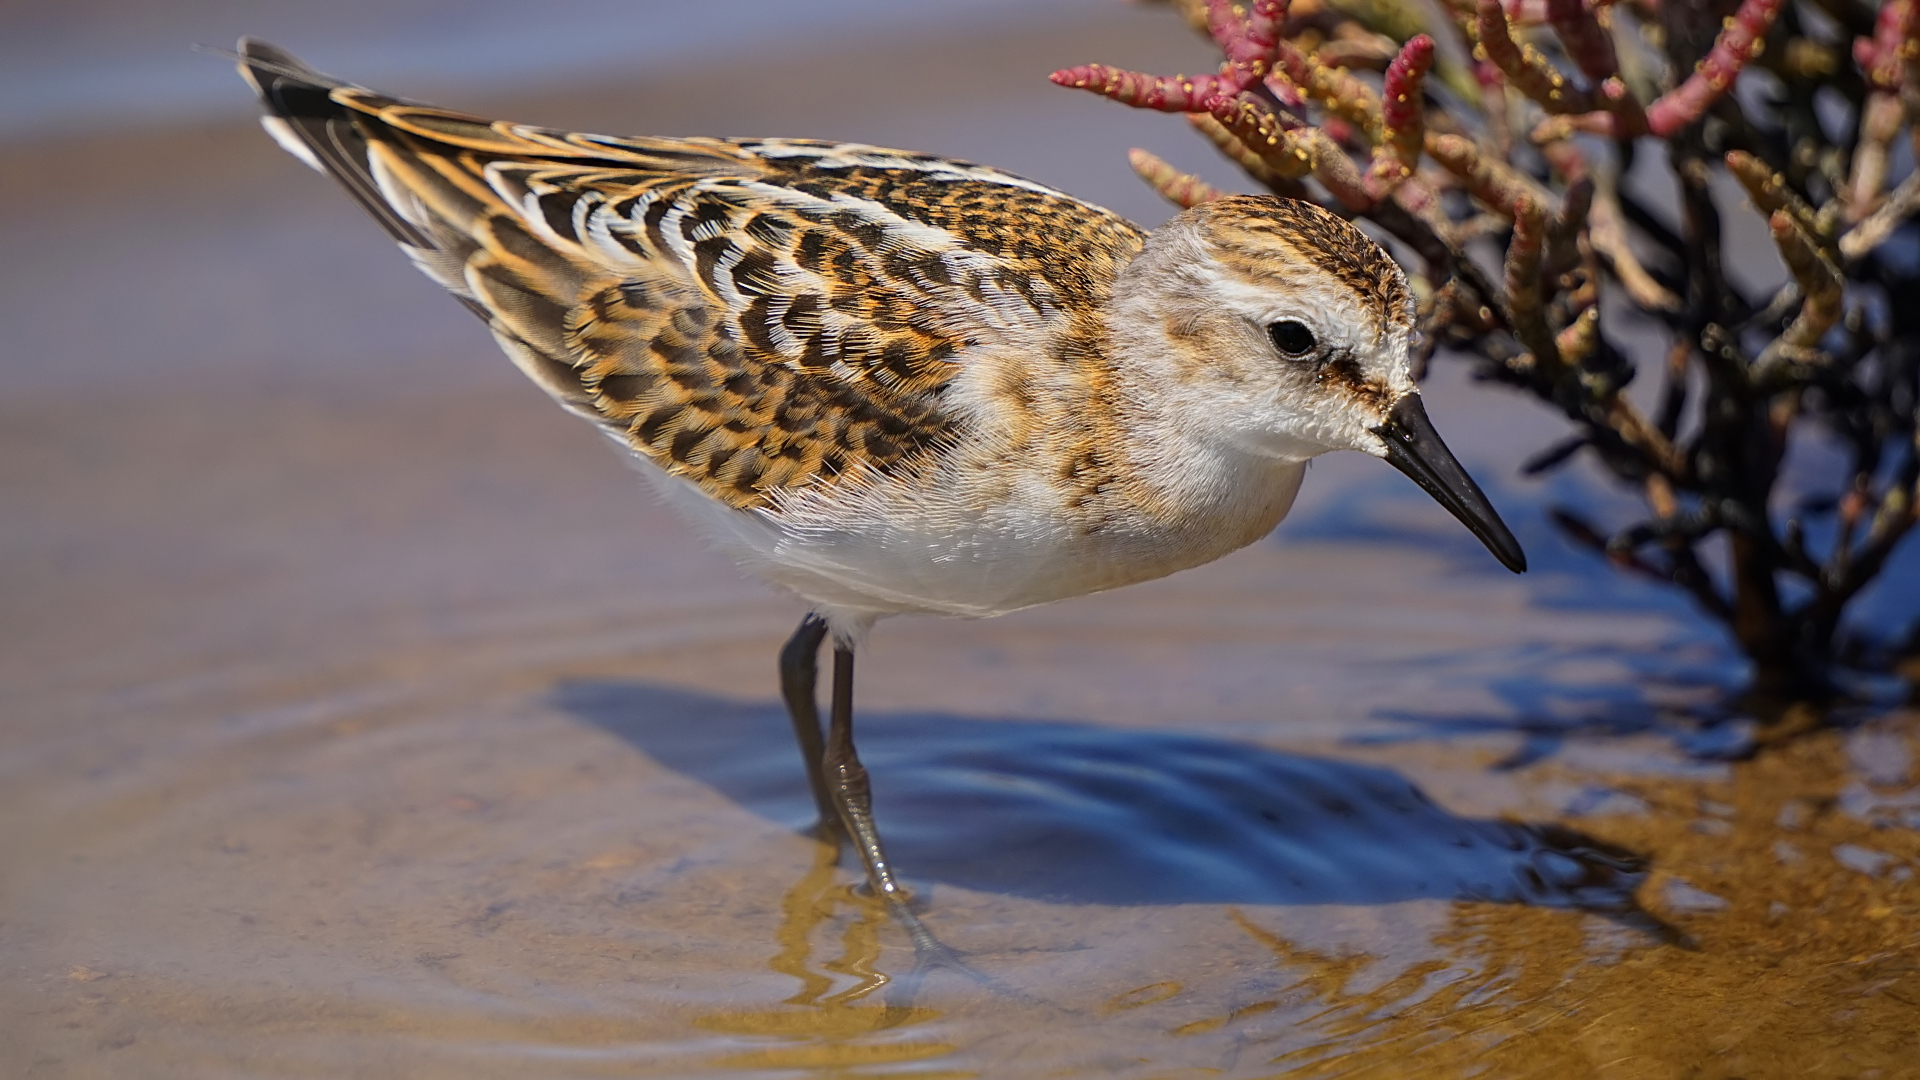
(758, 316)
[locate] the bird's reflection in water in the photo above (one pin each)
(836, 1021)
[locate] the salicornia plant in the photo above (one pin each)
(1502, 128)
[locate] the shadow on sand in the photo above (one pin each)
(1082, 814)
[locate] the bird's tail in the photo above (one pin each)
(306, 120)
(423, 174)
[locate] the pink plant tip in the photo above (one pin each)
(1587, 43)
(1882, 56)
(1177, 93)
(1741, 41)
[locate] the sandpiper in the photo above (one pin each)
(894, 383)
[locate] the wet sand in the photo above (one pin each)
(364, 717)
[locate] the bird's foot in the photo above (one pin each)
(931, 955)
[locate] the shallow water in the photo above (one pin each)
(364, 718)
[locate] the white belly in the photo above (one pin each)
(895, 552)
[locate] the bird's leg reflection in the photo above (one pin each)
(820, 1027)
(813, 901)
(808, 905)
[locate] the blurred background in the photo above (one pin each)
(359, 712)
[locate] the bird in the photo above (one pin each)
(893, 383)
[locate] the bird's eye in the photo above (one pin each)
(1292, 338)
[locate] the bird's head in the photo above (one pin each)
(1285, 332)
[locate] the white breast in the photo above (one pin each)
(883, 549)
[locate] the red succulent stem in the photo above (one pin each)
(1495, 183)
(1400, 104)
(1291, 66)
(1528, 12)
(1292, 151)
(1525, 296)
(1629, 116)
(1884, 56)
(1285, 92)
(1165, 93)
(1741, 41)
(1263, 132)
(1182, 189)
(1249, 45)
(1587, 43)
(1403, 117)
(1526, 69)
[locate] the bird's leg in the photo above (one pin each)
(799, 670)
(847, 779)
(853, 796)
(839, 780)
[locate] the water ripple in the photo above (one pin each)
(1074, 813)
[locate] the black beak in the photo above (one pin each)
(1415, 449)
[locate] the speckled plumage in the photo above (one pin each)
(756, 316)
(884, 380)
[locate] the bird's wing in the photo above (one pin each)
(756, 316)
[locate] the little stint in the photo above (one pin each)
(888, 382)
